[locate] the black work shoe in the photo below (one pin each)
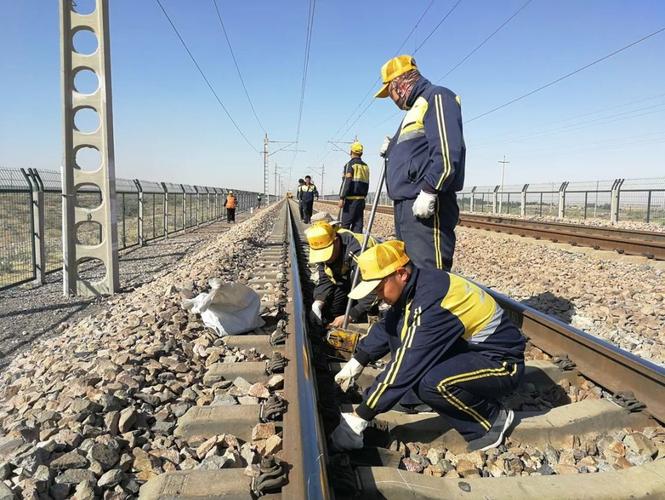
(413, 409)
(494, 436)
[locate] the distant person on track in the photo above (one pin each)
(355, 185)
(425, 163)
(231, 204)
(335, 251)
(299, 198)
(458, 350)
(258, 200)
(307, 194)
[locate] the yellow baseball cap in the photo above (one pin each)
(320, 237)
(392, 69)
(356, 147)
(377, 263)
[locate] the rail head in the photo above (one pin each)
(306, 443)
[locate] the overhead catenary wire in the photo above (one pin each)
(468, 56)
(566, 76)
(378, 79)
(203, 75)
(429, 35)
(235, 62)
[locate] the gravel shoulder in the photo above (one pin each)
(30, 313)
(619, 298)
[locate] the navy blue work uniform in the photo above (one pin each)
(354, 191)
(458, 351)
(307, 194)
(335, 280)
(428, 153)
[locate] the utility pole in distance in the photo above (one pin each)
(266, 155)
(503, 173)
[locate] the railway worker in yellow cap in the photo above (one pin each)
(335, 251)
(425, 163)
(355, 185)
(458, 349)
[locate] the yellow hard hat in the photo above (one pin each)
(392, 69)
(320, 237)
(377, 263)
(356, 147)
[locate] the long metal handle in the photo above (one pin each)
(368, 230)
(341, 190)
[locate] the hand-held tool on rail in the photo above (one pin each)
(342, 340)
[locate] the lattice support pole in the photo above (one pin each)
(101, 139)
(523, 200)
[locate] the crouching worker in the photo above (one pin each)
(458, 351)
(335, 251)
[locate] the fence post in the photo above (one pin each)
(523, 200)
(141, 207)
(614, 202)
(37, 219)
(472, 203)
(586, 199)
(166, 210)
(562, 199)
(495, 197)
(648, 206)
(198, 206)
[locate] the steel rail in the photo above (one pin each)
(304, 441)
(644, 243)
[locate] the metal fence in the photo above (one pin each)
(613, 200)
(31, 217)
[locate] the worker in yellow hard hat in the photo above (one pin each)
(355, 185)
(425, 162)
(451, 342)
(335, 251)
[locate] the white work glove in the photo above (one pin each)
(348, 373)
(349, 433)
(317, 311)
(423, 207)
(384, 147)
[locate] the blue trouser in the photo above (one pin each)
(300, 210)
(352, 215)
(465, 386)
(430, 243)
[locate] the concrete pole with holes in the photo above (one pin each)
(101, 140)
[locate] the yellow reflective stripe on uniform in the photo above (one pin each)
(361, 172)
(355, 197)
(438, 259)
(448, 396)
(470, 304)
(406, 332)
(474, 375)
(443, 137)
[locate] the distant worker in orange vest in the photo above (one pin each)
(231, 204)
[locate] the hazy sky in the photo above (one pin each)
(604, 122)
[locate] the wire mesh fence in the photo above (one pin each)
(144, 210)
(639, 200)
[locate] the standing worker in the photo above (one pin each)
(231, 203)
(335, 252)
(299, 198)
(355, 185)
(425, 163)
(458, 350)
(258, 200)
(307, 194)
